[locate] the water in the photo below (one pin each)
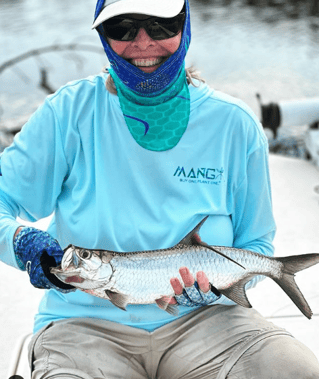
(239, 49)
(248, 50)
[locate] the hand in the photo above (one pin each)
(37, 252)
(193, 293)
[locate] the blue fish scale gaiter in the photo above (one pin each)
(156, 106)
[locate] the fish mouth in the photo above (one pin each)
(74, 279)
(68, 272)
(71, 275)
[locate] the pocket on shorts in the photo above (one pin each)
(33, 342)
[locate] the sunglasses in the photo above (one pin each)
(121, 28)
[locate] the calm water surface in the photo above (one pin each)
(239, 49)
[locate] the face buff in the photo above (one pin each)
(156, 123)
(155, 106)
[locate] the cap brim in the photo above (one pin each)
(159, 8)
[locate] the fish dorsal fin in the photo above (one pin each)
(193, 239)
(237, 292)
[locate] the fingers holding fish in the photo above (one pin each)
(203, 281)
(177, 287)
(181, 296)
(189, 281)
(193, 293)
(187, 277)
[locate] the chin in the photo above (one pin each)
(150, 69)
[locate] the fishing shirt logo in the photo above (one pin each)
(201, 175)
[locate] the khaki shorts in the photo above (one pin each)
(215, 342)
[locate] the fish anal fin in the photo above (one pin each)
(164, 304)
(118, 299)
(237, 292)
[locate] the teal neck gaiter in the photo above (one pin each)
(156, 123)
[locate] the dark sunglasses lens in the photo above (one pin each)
(125, 29)
(120, 29)
(163, 28)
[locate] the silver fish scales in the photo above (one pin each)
(144, 277)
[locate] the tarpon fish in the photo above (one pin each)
(143, 277)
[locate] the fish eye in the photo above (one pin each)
(85, 254)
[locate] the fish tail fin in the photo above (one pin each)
(292, 265)
(296, 263)
(288, 284)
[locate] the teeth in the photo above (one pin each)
(146, 62)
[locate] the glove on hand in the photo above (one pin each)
(37, 252)
(193, 296)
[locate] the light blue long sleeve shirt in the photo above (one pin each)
(77, 159)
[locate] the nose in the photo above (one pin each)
(143, 40)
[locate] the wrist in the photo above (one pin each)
(17, 231)
(18, 248)
(19, 261)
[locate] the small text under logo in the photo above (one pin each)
(200, 175)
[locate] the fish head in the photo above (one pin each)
(83, 268)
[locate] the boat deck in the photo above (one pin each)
(296, 208)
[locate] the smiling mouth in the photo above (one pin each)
(148, 62)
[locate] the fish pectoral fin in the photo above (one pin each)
(105, 258)
(118, 299)
(164, 304)
(237, 293)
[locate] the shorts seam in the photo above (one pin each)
(246, 345)
(46, 351)
(251, 337)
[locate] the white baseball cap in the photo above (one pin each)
(159, 8)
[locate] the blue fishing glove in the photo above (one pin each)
(193, 296)
(36, 251)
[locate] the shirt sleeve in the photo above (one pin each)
(32, 173)
(253, 222)
(253, 216)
